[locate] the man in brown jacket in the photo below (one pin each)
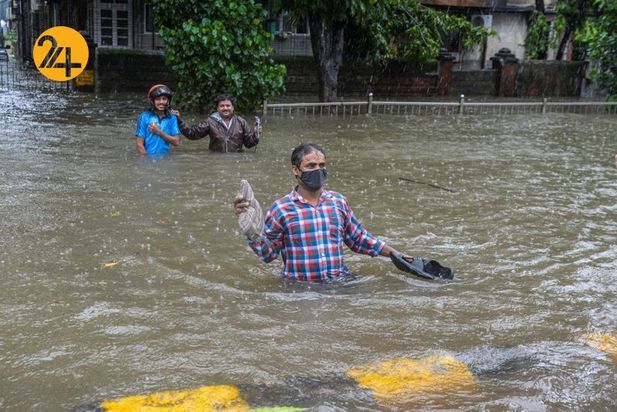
(228, 132)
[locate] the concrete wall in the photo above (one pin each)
(395, 80)
(130, 70)
(551, 79)
(533, 78)
(512, 29)
(401, 81)
(474, 83)
(301, 76)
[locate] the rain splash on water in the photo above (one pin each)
(124, 275)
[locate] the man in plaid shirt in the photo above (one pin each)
(309, 226)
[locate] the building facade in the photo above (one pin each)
(128, 24)
(509, 19)
(111, 24)
(128, 45)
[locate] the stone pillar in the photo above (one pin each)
(506, 65)
(446, 63)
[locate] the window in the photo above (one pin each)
(122, 31)
(148, 20)
(107, 28)
(290, 26)
(115, 26)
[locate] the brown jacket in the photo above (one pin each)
(222, 139)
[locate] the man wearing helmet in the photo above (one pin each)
(228, 132)
(157, 127)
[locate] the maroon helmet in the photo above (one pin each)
(159, 90)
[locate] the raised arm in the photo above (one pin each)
(251, 135)
(196, 132)
(269, 245)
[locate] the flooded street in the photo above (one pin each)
(124, 275)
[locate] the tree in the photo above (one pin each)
(537, 41)
(377, 31)
(600, 37)
(218, 46)
(408, 31)
(571, 17)
(327, 21)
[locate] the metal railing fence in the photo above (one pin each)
(13, 76)
(438, 108)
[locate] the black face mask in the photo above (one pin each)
(314, 179)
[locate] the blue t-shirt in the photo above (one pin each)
(154, 143)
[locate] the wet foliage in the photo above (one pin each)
(375, 32)
(218, 47)
(538, 35)
(600, 36)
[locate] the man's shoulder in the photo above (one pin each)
(142, 123)
(171, 118)
(284, 203)
(146, 114)
(240, 120)
(288, 198)
(214, 117)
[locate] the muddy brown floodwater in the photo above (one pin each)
(124, 275)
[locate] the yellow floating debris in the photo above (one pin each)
(606, 342)
(399, 380)
(111, 263)
(205, 398)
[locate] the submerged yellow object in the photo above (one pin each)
(111, 263)
(400, 379)
(606, 342)
(205, 398)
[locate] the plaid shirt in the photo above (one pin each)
(310, 239)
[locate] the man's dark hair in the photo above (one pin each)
(224, 96)
(304, 149)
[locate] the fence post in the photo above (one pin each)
(461, 104)
(544, 101)
(265, 108)
(369, 106)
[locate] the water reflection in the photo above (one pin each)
(529, 229)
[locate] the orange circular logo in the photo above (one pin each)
(60, 53)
